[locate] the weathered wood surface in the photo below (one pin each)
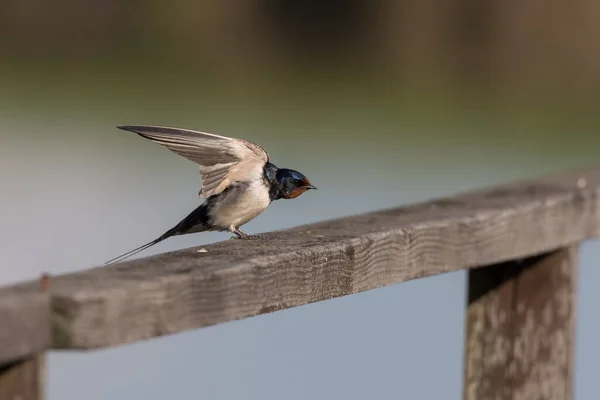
(235, 279)
(520, 329)
(24, 322)
(24, 379)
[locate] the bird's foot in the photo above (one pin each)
(242, 235)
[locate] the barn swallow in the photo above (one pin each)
(238, 181)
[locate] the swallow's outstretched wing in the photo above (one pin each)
(222, 160)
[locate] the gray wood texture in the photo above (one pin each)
(521, 329)
(24, 322)
(235, 279)
(24, 379)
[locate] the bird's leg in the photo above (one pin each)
(239, 233)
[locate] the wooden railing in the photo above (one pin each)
(519, 242)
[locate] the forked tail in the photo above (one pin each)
(197, 217)
(122, 257)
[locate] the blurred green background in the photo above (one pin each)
(380, 103)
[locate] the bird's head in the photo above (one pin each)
(291, 183)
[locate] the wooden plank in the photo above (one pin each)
(235, 279)
(520, 329)
(23, 379)
(24, 322)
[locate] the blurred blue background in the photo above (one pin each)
(380, 103)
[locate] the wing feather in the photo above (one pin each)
(222, 160)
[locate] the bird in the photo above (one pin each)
(238, 181)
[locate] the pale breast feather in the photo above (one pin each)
(240, 203)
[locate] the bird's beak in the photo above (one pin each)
(311, 187)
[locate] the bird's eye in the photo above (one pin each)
(298, 182)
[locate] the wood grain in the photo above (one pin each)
(235, 279)
(520, 329)
(23, 379)
(24, 322)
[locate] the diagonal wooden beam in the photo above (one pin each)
(235, 279)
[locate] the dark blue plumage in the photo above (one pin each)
(285, 183)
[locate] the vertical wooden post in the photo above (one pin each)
(23, 379)
(520, 329)
(24, 338)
